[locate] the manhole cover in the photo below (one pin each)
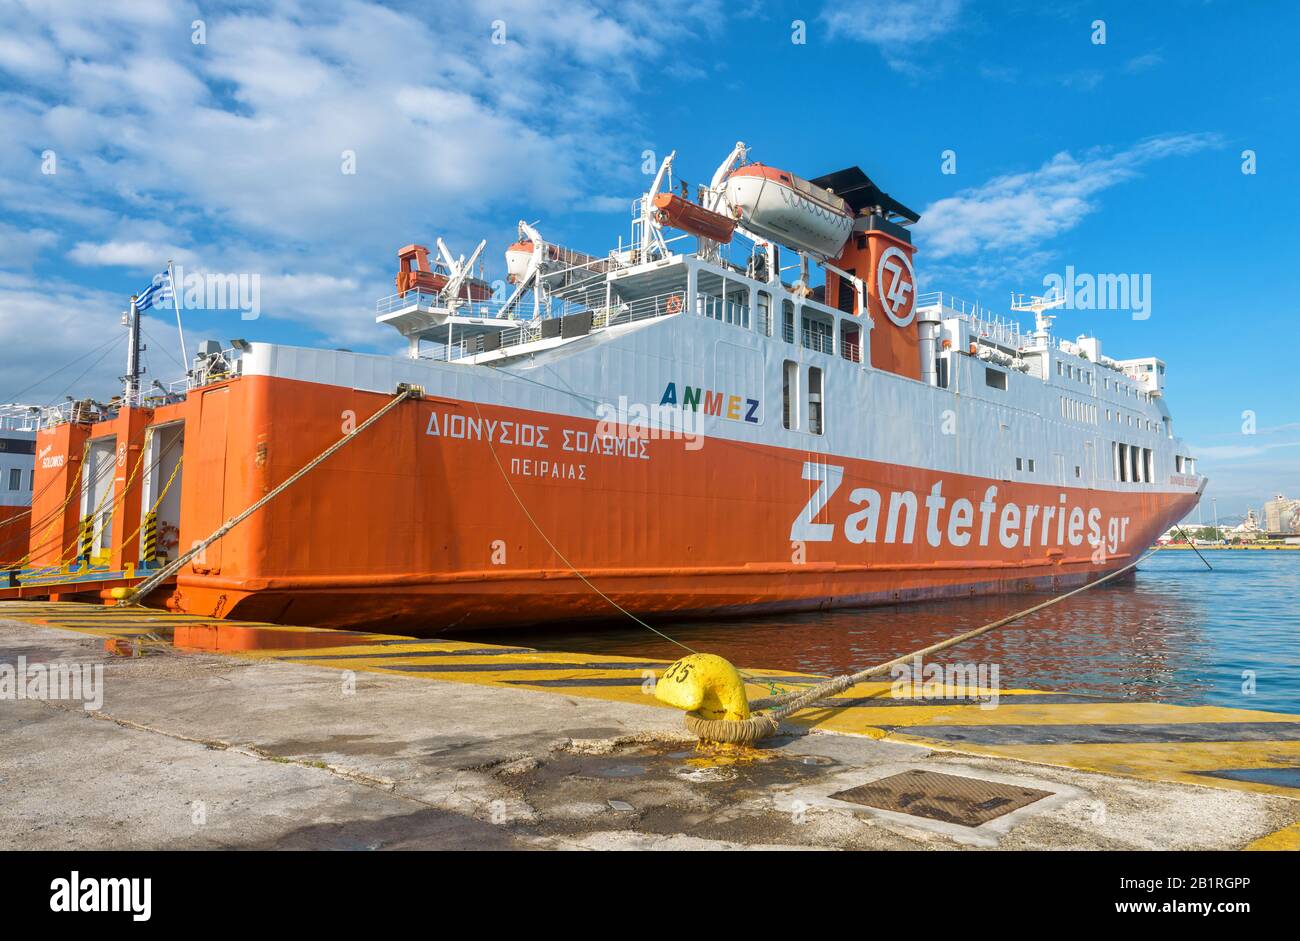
(947, 797)
(706, 775)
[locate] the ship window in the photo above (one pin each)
(15, 478)
(1031, 465)
(846, 295)
(1123, 463)
(1078, 471)
(1018, 464)
(817, 335)
(31, 480)
(1148, 471)
(1178, 463)
(995, 378)
(789, 394)
(787, 321)
(814, 400)
(765, 313)
(1135, 468)
(850, 341)
(1060, 370)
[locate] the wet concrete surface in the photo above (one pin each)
(207, 751)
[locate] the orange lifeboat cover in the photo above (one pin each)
(690, 217)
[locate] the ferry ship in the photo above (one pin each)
(746, 406)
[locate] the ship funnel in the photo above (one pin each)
(879, 252)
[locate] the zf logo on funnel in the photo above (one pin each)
(76, 894)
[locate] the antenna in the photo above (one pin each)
(1037, 304)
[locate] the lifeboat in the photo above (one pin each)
(673, 211)
(518, 257)
(416, 274)
(788, 209)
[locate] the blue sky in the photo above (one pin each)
(226, 155)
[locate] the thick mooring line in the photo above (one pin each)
(762, 724)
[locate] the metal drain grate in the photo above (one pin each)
(947, 797)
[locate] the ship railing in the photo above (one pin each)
(531, 331)
(72, 410)
(987, 325)
(416, 298)
(1000, 332)
(642, 308)
(491, 309)
(15, 417)
(955, 304)
(818, 342)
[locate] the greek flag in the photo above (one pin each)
(157, 294)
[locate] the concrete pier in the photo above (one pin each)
(329, 742)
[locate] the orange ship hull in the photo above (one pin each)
(441, 519)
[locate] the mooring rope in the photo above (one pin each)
(37, 544)
(68, 553)
(763, 724)
(1179, 527)
(561, 556)
(153, 581)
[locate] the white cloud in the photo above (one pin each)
(895, 27)
(1147, 60)
(1083, 79)
(228, 156)
(53, 325)
(29, 58)
(139, 255)
(1010, 215)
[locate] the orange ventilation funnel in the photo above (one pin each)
(879, 253)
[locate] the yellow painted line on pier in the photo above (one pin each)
(1288, 838)
(1212, 746)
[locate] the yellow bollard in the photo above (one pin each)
(706, 684)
